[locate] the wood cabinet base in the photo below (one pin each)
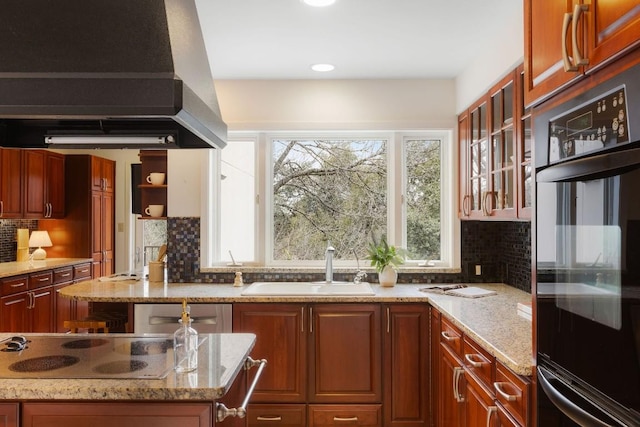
(121, 414)
(341, 415)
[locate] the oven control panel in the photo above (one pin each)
(594, 125)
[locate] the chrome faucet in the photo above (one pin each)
(360, 274)
(328, 274)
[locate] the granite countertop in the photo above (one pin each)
(15, 268)
(491, 321)
(220, 359)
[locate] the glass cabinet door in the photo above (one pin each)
(478, 158)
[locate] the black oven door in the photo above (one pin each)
(588, 288)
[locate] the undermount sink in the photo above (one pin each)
(306, 288)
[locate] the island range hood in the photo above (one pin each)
(106, 73)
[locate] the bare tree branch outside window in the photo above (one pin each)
(328, 190)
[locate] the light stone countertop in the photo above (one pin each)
(493, 321)
(16, 268)
(220, 359)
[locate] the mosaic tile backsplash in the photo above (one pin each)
(502, 249)
(8, 243)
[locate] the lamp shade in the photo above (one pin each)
(39, 239)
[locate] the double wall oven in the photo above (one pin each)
(587, 237)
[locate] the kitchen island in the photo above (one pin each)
(86, 391)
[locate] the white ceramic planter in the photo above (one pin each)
(388, 276)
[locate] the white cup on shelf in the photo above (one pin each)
(154, 210)
(156, 178)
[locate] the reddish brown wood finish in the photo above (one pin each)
(11, 183)
(282, 340)
(344, 356)
(88, 229)
(9, 414)
(450, 411)
(406, 365)
(606, 31)
(281, 415)
(108, 414)
(343, 415)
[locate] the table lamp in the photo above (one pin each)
(39, 239)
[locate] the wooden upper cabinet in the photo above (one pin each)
(564, 39)
(102, 174)
(43, 180)
(10, 183)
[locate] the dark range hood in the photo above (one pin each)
(106, 69)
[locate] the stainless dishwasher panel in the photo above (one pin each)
(163, 318)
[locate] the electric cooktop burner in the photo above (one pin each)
(85, 343)
(119, 356)
(44, 363)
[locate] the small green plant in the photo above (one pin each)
(382, 254)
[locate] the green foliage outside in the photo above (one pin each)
(336, 190)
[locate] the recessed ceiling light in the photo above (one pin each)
(319, 3)
(322, 67)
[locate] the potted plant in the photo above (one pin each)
(385, 258)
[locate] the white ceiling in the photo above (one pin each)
(364, 39)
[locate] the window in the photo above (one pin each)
(282, 197)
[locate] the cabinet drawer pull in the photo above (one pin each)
(65, 275)
(43, 279)
(503, 394)
(578, 10)
(18, 285)
(568, 66)
(490, 411)
(457, 373)
(269, 418)
(448, 337)
(475, 363)
(345, 419)
(84, 270)
(17, 301)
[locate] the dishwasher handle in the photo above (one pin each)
(223, 412)
(164, 320)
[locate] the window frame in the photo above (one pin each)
(396, 208)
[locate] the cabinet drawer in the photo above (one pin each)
(512, 391)
(342, 415)
(15, 284)
(451, 336)
(38, 280)
(81, 271)
(479, 362)
(277, 415)
(62, 275)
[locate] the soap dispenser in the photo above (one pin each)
(185, 343)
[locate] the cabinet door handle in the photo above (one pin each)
(448, 337)
(345, 419)
(568, 66)
(18, 301)
(457, 373)
(310, 320)
(1, 208)
(32, 301)
(388, 319)
(578, 10)
(508, 397)
(490, 411)
(302, 320)
(268, 418)
(466, 202)
(475, 363)
(223, 412)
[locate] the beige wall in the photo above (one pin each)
(337, 104)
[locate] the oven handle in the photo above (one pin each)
(564, 404)
(223, 412)
(599, 166)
